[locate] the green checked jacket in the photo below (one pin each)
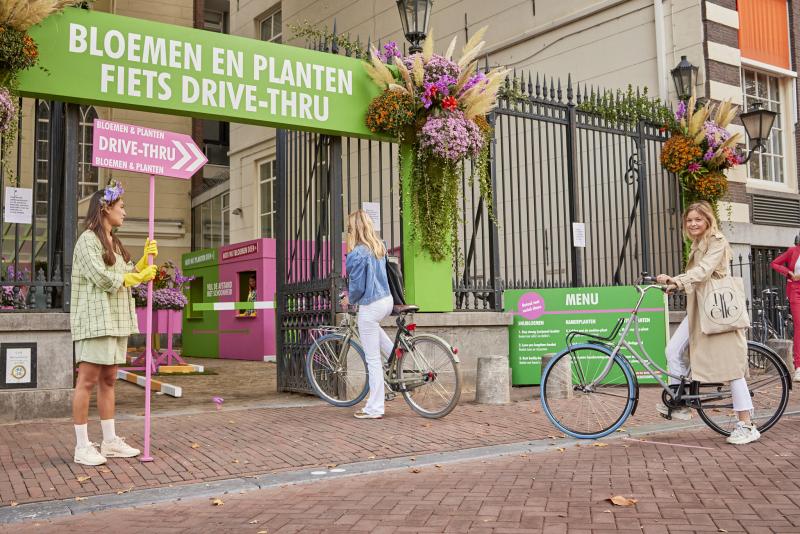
(101, 304)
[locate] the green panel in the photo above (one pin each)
(543, 317)
(99, 58)
(428, 284)
(200, 329)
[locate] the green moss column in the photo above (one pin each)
(428, 283)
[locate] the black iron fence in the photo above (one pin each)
(36, 257)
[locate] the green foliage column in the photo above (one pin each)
(428, 283)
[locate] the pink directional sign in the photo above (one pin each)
(127, 147)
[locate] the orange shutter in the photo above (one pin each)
(764, 31)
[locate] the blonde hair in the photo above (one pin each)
(705, 210)
(360, 231)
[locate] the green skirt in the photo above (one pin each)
(107, 350)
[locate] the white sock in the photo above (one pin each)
(108, 430)
(81, 436)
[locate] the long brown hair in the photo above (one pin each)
(360, 231)
(94, 222)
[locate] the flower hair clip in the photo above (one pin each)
(112, 192)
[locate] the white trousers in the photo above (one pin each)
(678, 364)
(374, 340)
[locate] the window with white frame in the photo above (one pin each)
(41, 155)
(88, 177)
(760, 87)
(266, 179)
(270, 27)
(211, 222)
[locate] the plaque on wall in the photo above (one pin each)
(17, 365)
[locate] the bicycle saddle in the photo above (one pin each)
(400, 309)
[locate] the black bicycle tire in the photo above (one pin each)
(318, 391)
(456, 368)
(778, 363)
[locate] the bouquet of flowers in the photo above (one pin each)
(439, 105)
(167, 289)
(11, 297)
(701, 150)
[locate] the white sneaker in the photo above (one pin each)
(88, 455)
(677, 413)
(118, 449)
(797, 375)
(743, 434)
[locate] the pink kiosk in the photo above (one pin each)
(248, 334)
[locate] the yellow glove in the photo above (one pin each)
(150, 247)
(134, 279)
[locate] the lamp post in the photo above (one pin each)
(685, 78)
(758, 124)
(415, 16)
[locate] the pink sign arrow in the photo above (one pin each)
(127, 147)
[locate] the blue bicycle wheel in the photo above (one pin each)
(585, 393)
(337, 372)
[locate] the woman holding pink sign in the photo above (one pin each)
(102, 316)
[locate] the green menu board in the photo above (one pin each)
(544, 317)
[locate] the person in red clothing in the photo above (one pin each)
(788, 264)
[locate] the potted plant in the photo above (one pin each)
(168, 300)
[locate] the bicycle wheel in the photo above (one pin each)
(430, 379)
(337, 374)
(587, 395)
(768, 382)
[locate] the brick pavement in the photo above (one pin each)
(36, 457)
(693, 483)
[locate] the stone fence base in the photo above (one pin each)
(52, 396)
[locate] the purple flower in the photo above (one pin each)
(8, 111)
(681, 112)
(440, 88)
(709, 155)
(112, 192)
(693, 167)
(474, 80)
(436, 67)
(389, 52)
(451, 136)
(715, 135)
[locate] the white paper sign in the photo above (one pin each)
(578, 234)
(18, 205)
(373, 209)
(18, 366)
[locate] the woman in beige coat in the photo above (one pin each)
(717, 357)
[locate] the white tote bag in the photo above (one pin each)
(722, 305)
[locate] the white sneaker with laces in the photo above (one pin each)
(743, 433)
(797, 375)
(118, 449)
(88, 455)
(683, 414)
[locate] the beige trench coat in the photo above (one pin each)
(718, 357)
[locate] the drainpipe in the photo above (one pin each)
(658, 15)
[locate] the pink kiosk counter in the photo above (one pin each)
(247, 334)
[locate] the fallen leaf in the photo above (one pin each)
(80, 498)
(722, 530)
(83, 478)
(262, 532)
(619, 500)
(416, 470)
(561, 449)
(331, 466)
(413, 459)
(607, 511)
(231, 421)
(437, 465)
(217, 502)
(253, 522)
(621, 430)
(195, 445)
(427, 425)
(104, 470)
(14, 503)
(599, 444)
(120, 492)
(236, 460)
(552, 437)
(371, 457)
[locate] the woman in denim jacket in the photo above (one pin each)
(369, 288)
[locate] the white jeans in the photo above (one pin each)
(374, 340)
(677, 363)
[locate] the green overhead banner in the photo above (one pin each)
(98, 58)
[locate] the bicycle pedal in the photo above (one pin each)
(390, 396)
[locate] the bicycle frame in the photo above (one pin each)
(647, 361)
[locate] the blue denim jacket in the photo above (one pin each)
(367, 276)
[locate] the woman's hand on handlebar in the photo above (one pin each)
(663, 279)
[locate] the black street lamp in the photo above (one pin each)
(758, 124)
(415, 16)
(685, 78)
